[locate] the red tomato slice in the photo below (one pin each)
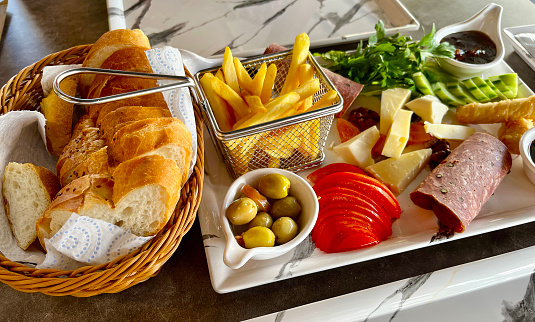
(367, 185)
(370, 202)
(332, 168)
(356, 239)
(330, 229)
(351, 203)
(417, 134)
(351, 218)
(346, 129)
(333, 236)
(259, 199)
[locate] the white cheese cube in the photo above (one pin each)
(398, 136)
(391, 101)
(449, 131)
(398, 173)
(429, 108)
(358, 150)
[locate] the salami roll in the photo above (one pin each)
(459, 186)
(348, 89)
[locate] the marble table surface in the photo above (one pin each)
(396, 287)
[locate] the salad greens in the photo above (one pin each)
(387, 62)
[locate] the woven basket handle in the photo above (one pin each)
(183, 81)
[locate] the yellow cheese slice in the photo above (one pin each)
(429, 108)
(391, 101)
(397, 173)
(449, 131)
(358, 150)
(398, 136)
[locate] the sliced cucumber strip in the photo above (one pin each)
(444, 95)
(422, 84)
(496, 90)
(500, 85)
(484, 87)
(511, 81)
(459, 90)
(474, 90)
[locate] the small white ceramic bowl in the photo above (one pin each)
(236, 256)
(487, 21)
(529, 166)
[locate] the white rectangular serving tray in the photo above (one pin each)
(206, 27)
(521, 47)
(512, 204)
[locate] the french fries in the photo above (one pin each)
(242, 97)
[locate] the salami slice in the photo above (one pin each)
(459, 186)
(348, 89)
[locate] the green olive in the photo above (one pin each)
(262, 219)
(258, 237)
(285, 207)
(285, 229)
(241, 211)
(274, 186)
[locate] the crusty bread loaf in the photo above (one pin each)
(27, 191)
(78, 149)
(117, 119)
(83, 123)
(96, 163)
(105, 46)
(58, 114)
(167, 137)
(140, 198)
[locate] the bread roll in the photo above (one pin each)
(167, 137)
(96, 163)
(58, 114)
(83, 123)
(511, 133)
(27, 191)
(105, 46)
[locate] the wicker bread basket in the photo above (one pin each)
(24, 92)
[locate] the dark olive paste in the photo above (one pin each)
(473, 47)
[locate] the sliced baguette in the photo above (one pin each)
(58, 114)
(105, 46)
(119, 118)
(167, 137)
(140, 199)
(27, 190)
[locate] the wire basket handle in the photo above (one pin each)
(183, 81)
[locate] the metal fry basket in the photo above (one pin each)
(294, 143)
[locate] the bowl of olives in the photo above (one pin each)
(265, 214)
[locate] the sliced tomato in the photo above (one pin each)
(332, 168)
(331, 230)
(346, 129)
(417, 134)
(352, 240)
(352, 217)
(365, 184)
(259, 199)
(351, 203)
(366, 199)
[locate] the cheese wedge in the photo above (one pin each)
(398, 136)
(429, 108)
(391, 101)
(449, 131)
(398, 173)
(358, 150)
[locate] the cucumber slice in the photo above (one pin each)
(458, 90)
(500, 85)
(444, 95)
(422, 84)
(511, 81)
(474, 90)
(496, 90)
(484, 87)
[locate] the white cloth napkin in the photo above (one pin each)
(81, 241)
